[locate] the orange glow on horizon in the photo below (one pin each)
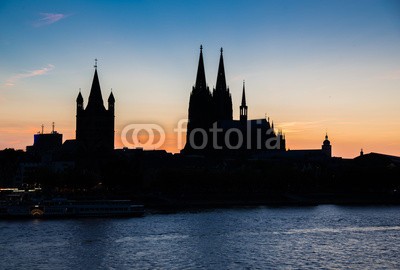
(298, 136)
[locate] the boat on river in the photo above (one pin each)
(63, 208)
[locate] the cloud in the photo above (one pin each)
(49, 18)
(11, 81)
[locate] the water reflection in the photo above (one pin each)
(310, 237)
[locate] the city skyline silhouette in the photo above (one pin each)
(329, 68)
(238, 134)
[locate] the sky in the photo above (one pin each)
(312, 66)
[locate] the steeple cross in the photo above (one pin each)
(95, 63)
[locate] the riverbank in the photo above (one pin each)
(160, 204)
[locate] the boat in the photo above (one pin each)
(63, 208)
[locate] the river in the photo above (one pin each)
(326, 236)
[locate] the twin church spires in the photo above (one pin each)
(211, 128)
(206, 108)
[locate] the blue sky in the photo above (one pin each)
(312, 66)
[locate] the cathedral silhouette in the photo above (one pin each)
(211, 131)
(95, 123)
(211, 128)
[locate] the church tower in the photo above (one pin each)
(221, 96)
(327, 147)
(243, 107)
(200, 114)
(95, 123)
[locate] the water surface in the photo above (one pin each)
(265, 238)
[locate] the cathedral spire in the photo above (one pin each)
(95, 97)
(111, 98)
(79, 102)
(79, 99)
(243, 107)
(201, 75)
(221, 81)
(111, 102)
(243, 95)
(222, 97)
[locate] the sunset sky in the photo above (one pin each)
(311, 66)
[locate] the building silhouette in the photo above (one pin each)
(95, 123)
(327, 147)
(211, 128)
(201, 106)
(45, 142)
(221, 96)
(243, 107)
